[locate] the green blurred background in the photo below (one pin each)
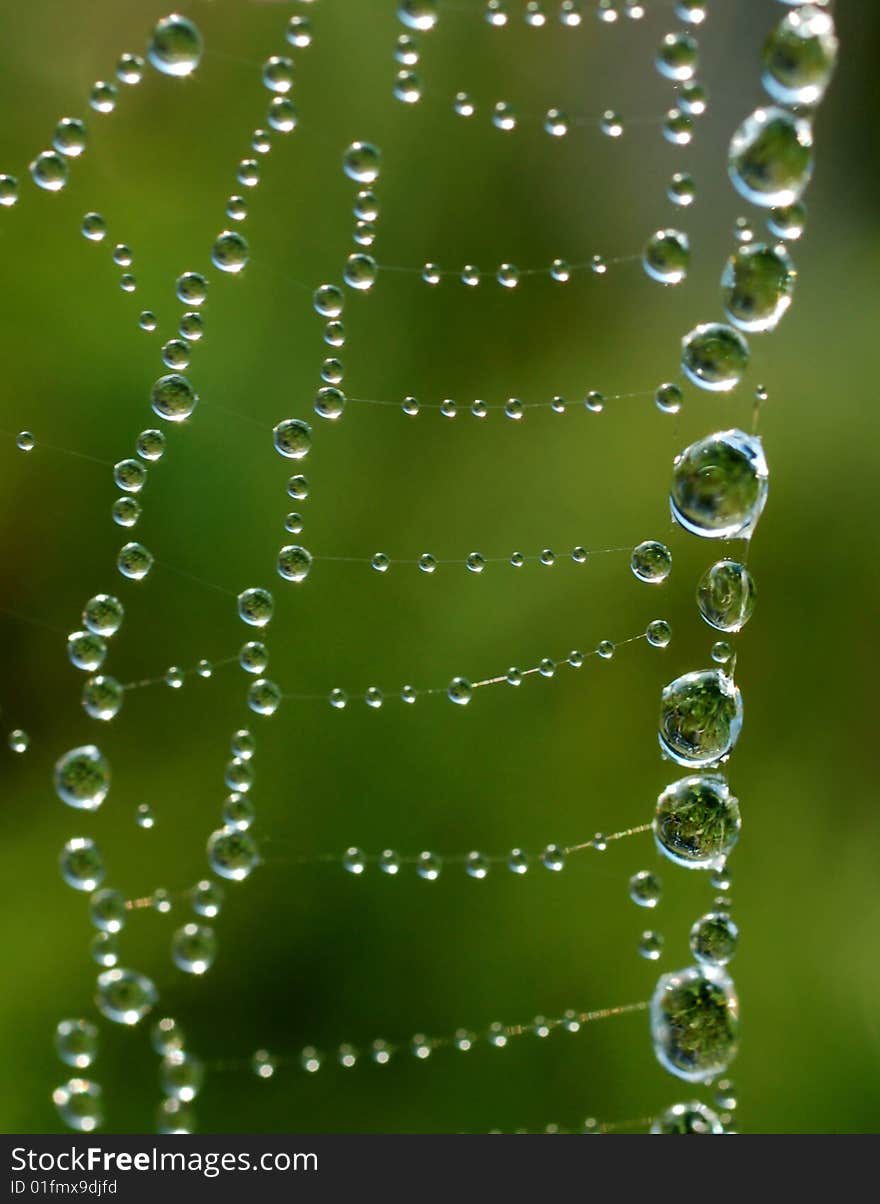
(308, 954)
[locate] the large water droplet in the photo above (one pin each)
(771, 157)
(695, 1023)
(726, 595)
(719, 485)
(697, 821)
(175, 46)
(757, 286)
(693, 1117)
(82, 777)
(700, 717)
(800, 56)
(714, 356)
(125, 996)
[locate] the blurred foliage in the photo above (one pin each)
(309, 954)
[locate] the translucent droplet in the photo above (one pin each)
(236, 208)
(78, 1103)
(125, 996)
(719, 485)
(232, 855)
(25, 441)
(103, 614)
(193, 948)
(70, 137)
(264, 697)
(86, 651)
(428, 866)
(645, 889)
(292, 438)
(207, 898)
(788, 222)
(408, 694)
(700, 718)
(800, 56)
(503, 116)
(263, 1064)
(173, 397)
(360, 272)
(299, 32)
(175, 46)
(595, 401)
(668, 398)
(102, 97)
(181, 1075)
(130, 475)
(460, 691)
(19, 741)
(130, 69)
(191, 288)
(8, 190)
(253, 657)
(677, 56)
(692, 98)
(328, 301)
(49, 171)
(666, 256)
(294, 563)
(104, 949)
(329, 403)
(407, 87)
(695, 1023)
(651, 561)
(310, 1059)
(134, 561)
(693, 1117)
(278, 73)
(361, 162)
(76, 1043)
(230, 252)
(726, 595)
(255, 606)
(714, 938)
(611, 124)
(678, 128)
(145, 816)
(82, 777)
(553, 858)
(147, 320)
(518, 862)
(476, 865)
(298, 488)
(658, 633)
(650, 946)
(102, 697)
(418, 14)
(697, 821)
(714, 357)
(556, 123)
(682, 190)
(389, 862)
(757, 286)
(127, 282)
(107, 910)
(771, 157)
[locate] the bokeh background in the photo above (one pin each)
(309, 954)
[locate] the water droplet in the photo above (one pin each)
(329, 403)
(611, 124)
(181, 1075)
(695, 1022)
(719, 485)
(666, 256)
(552, 858)
(651, 561)
(70, 137)
(175, 46)
(82, 777)
(692, 98)
(173, 397)
(191, 288)
(102, 697)
(788, 222)
(104, 949)
(645, 889)
(19, 741)
(147, 320)
(207, 898)
(255, 606)
(800, 56)
(650, 946)
(700, 717)
(668, 398)
(263, 1064)
(658, 633)
(692, 1117)
(389, 862)
(556, 123)
(595, 401)
(76, 1043)
(103, 614)
(130, 69)
(518, 862)
(232, 855)
(714, 357)
(299, 32)
(460, 691)
(605, 649)
(726, 595)
(86, 651)
(428, 866)
(771, 157)
(503, 116)
(107, 910)
(230, 252)
(49, 171)
(682, 190)
(264, 697)
(8, 190)
(292, 438)
(145, 817)
(361, 162)
(253, 657)
(697, 821)
(418, 14)
(757, 286)
(678, 128)
(294, 563)
(78, 1103)
(714, 938)
(360, 272)
(102, 97)
(278, 74)
(193, 949)
(134, 561)
(677, 56)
